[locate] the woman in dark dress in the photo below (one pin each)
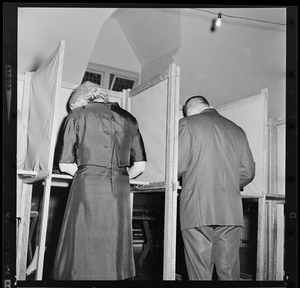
(103, 149)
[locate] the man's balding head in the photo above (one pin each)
(195, 105)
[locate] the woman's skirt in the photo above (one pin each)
(96, 235)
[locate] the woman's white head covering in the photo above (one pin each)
(86, 93)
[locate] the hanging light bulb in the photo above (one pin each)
(219, 21)
(216, 22)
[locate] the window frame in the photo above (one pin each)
(96, 72)
(106, 71)
(122, 77)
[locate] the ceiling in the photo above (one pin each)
(150, 40)
(246, 54)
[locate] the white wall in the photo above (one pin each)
(41, 29)
(151, 32)
(113, 49)
(154, 35)
(236, 61)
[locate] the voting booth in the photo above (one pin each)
(263, 134)
(251, 115)
(42, 108)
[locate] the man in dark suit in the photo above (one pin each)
(215, 163)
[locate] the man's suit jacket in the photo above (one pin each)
(215, 161)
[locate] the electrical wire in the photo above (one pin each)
(238, 17)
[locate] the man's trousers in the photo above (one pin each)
(206, 246)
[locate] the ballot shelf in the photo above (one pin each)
(136, 186)
(64, 180)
